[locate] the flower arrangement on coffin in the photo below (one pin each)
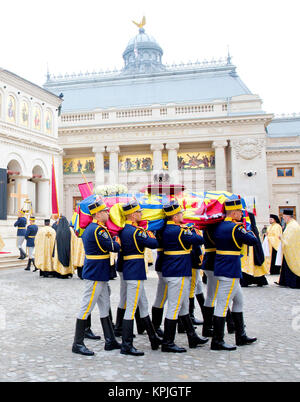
(114, 189)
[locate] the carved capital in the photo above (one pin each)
(98, 149)
(220, 144)
(172, 146)
(113, 148)
(157, 147)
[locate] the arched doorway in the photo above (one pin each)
(15, 195)
(39, 191)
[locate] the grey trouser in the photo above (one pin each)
(211, 289)
(123, 289)
(95, 292)
(161, 292)
(20, 240)
(228, 290)
(30, 252)
(178, 296)
(135, 296)
(196, 283)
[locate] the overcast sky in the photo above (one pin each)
(73, 36)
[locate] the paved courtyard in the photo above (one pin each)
(37, 321)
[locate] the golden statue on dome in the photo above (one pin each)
(141, 24)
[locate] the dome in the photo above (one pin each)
(142, 55)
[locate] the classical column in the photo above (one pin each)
(43, 197)
(220, 163)
(113, 163)
(173, 162)
(99, 165)
(21, 189)
(157, 156)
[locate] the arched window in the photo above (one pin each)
(11, 109)
(36, 117)
(48, 122)
(24, 113)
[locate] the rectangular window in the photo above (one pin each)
(285, 172)
(290, 208)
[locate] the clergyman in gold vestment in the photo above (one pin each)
(65, 244)
(274, 231)
(44, 245)
(290, 271)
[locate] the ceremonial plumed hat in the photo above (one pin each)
(131, 207)
(172, 208)
(32, 218)
(96, 206)
(233, 205)
(288, 212)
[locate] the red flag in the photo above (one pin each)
(55, 208)
(86, 189)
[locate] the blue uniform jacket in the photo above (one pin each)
(21, 225)
(160, 252)
(210, 248)
(196, 254)
(97, 243)
(30, 235)
(229, 238)
(177, 243)
(134, 240)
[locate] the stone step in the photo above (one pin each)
(8, 261)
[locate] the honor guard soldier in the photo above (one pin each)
(30, 234)
(134, 240)
(161, 290)
(177, 242)
(208, 267)
(229, 236)
(21, 225)
(196, 283)
(97, 244)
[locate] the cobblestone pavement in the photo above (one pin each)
(37, 321)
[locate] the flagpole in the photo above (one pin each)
(86, 181)
(54, 177)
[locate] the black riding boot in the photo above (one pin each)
(157, 315)
(230, 322)
(109, 336)
(28, 265)
(139, 325)
(35, 268)
(241, 337)
(201, 300)
(119, 321)
(180, 326)
(217, 342)
(88, 333)
(78, 344)
(168, 344)
(23, 254)
(208, 313)
(153, 338)
(127, 347)
(193, 338)
(111, 318)
(195, 321)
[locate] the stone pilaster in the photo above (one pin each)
(99, 164)
(220, 163)
(173, 162)
(113, 163)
